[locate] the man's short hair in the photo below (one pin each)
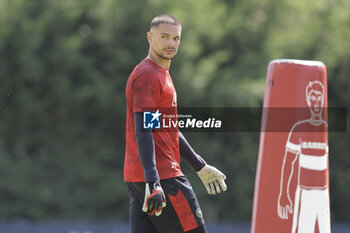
(314, 86)
(166, 19)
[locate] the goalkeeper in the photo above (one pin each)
(161, 198)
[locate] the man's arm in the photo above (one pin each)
(186, 151)
(284, 205)
(154, 196)
(212, 178)
(146, 149)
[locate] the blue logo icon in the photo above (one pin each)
(151, 120)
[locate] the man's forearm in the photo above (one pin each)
(186, 151)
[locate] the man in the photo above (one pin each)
(161, 198)
(307, 143)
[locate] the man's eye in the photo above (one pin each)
(165, 37)
(313, 98)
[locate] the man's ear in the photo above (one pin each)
(149, 37)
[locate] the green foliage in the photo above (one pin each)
(63, 70)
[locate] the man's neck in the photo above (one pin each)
(316, 118)
(165, 63)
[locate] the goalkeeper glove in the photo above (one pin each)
(154, 200)
(213, 179)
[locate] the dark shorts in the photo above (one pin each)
(181, 214)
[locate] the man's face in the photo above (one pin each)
(164, 40)
(316, 101)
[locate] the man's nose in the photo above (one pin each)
(172, 43)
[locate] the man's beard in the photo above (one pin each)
(162, 56)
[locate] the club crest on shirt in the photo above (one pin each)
(174, 102)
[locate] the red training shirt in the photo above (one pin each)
(150, 87)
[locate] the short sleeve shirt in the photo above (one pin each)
(310, 142)
(150, 87)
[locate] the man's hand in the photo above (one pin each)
(213, 179)
(155, 199)
(284, 206)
